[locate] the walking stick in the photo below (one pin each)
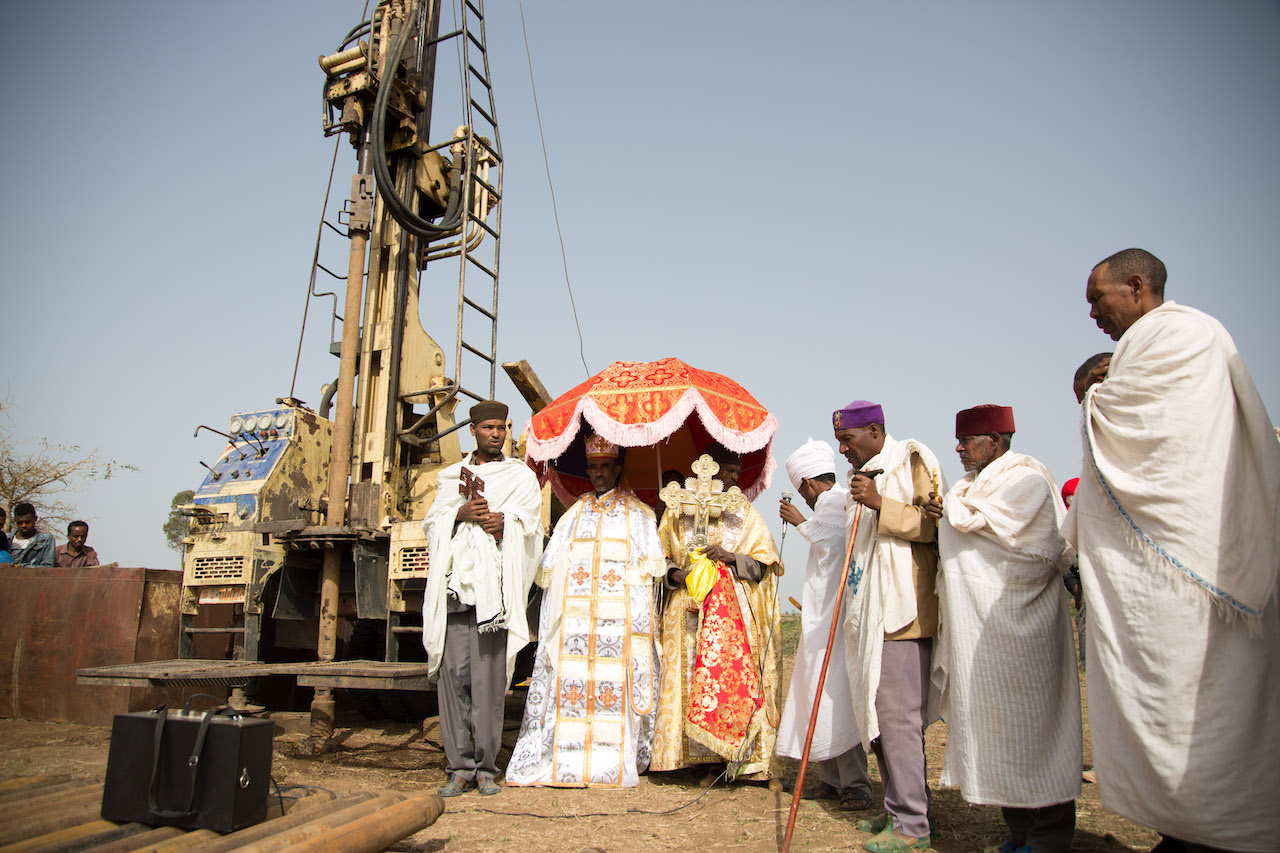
(822, 679)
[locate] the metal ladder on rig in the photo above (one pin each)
(477, 242)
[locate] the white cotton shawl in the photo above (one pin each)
(1179, 441)
(1011, 690)
(1175, 524)
(881, 597)
(498, 577)
(986, 503)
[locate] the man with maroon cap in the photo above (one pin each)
(1012, 694)
(892, 615)
(484, 540)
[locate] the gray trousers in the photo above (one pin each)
(847, 771)
(900, 701)
(1050, 829)
(472, 691)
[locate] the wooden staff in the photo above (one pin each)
(822, 679)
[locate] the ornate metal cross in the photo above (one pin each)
(469, 485)
(703, 498)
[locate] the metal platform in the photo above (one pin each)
(354, 674)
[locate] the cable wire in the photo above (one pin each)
(315, 262)
(608, 814)
(564, 258)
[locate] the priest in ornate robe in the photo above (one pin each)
(589, 716)
(721, 685)
(1012, 690)
(1177, 524)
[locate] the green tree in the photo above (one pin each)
(178, 525)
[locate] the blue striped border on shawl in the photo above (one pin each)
(1220, 594)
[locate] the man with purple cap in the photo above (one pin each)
(484, 540)
(891, 615)
(837, 747)
(1011, 694)
(591, 706)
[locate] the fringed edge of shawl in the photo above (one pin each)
(645, 570)
(1189, 585)
(494, 625)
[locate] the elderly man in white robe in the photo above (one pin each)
(589, 717)
(891, 615)
(1177, 525)
(484, 540)
(837, 747)
(1012, 690)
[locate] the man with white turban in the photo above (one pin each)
(837, 747)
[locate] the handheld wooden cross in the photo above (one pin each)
(703, 498)
(469, 485)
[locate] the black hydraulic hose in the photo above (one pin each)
(356, 31)
(410, 221)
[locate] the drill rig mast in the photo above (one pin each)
(307, 524)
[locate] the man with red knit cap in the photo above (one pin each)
(892, 614)
(1012, 695)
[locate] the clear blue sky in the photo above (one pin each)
(826, 201)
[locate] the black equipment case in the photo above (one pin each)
(202, 770)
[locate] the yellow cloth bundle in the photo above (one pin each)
(702, 575)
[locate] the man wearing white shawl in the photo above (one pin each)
(590, 711)
(891, 614)
(837, 747)
(1177, 524)
(1011, 695)
(484, 550)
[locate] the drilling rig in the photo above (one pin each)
(309, 523)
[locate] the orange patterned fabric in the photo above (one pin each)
(640, 392)
(725, 693)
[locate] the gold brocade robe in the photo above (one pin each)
(742, 532)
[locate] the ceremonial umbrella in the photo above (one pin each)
(665, 412)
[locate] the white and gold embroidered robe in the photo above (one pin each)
(589, 716)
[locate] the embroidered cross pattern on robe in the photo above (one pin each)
(588, 719)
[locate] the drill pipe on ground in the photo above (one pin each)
(304, 811)
(145, 839)
(376, 831)
(320, 827)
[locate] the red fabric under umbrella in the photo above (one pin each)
(665, 412)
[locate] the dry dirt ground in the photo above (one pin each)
(668, 811)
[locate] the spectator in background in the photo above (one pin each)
(29, 546)
(75, 554)
(1093, 371)
(4, 537)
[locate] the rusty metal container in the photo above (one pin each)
(59, 620)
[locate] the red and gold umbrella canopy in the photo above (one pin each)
(665, 412)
